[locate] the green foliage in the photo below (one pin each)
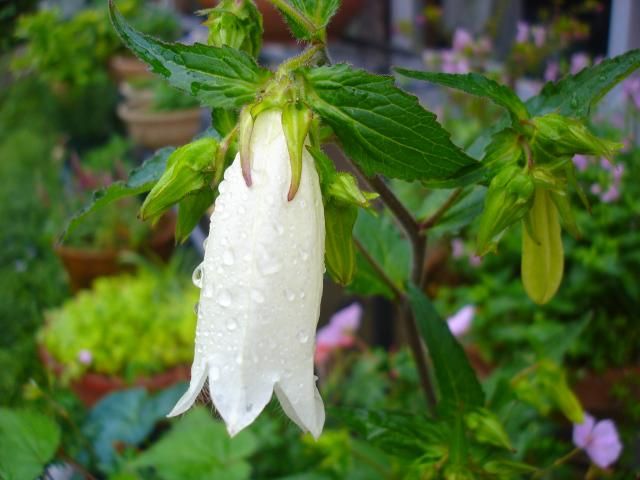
(475, 84)
(340, 252)
(168, 99)
(198, 447)
(131, 325)
(28, 440)
(317, 13)
(235, 24)
(382, 128)
(575, 95)
(217, 76)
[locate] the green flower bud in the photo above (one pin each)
(236, 24)
(508, 199)
(542, 252)
(557, 136)
(340, 253)
(296, 120)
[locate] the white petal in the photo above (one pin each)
(261, 289)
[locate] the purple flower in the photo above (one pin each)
(460, 322)
(85, 357)
(475, 260)
(522, 34)
(611, 195)
(552, 71)
(338, 333)
(457, 248)
(539, 35)
(581, 162)
(599, 439)
(579, 61)
(461, 39)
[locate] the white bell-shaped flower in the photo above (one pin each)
(261, 284)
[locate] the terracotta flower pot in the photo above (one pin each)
(91, 387)
(127, 67)
(160, 129)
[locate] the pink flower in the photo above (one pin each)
(539, 35)
(460, 322)
(461, 39)
(522, 34)
(552, 71)
(338, 333)
(85, 357)
(578, 62)
(611, 195)
(457, 248)
(581, 162)
(600, 440)
(475, 260)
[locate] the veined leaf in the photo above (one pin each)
(458, 385)
(573, 96)
(141, 180)
(384, 129)
(190, 210)
(318, 12)
(475, 84)
(219, 77)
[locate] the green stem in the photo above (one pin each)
(305, 58)
(296, 14)
(379, 270)
(435, 218)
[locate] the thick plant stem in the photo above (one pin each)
(418, 275)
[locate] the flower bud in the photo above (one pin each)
(508, 199)
(236, 24)
(296, 120)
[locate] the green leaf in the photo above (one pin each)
(28, 441)
(575, 95)
(475, 84)
(458, 385)
(384, 129)
(487, 428)
(189, 168)
(126, 417)
(318, 12)
(141, 179)
(219, 77)
(340, 250)
(199, 447)
(190, 210)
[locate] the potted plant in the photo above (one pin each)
(158, 115)
(127, 330)
(95, 247)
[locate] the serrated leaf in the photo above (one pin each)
(382, 128)
(220, 77)
(575, 95)
(199, 447)
(318, 12)
(458, 385)
(28, 441)
(190, 210)
(475, 84)
(141, 180)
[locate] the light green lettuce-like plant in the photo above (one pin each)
(282, 210)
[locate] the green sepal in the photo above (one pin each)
(567, 218)
(235, 24)
(223, 120)
(296, 120)
(245, 129)
(190, 210)
(504, 149)
(487, 428)
(508, 199)
(340, 251)
(556, 136)
(542, 253)
(189, 168)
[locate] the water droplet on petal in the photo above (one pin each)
(204, 243)
(239, 359)
(257, 296)
(224, 299)
(227, 257)
(231, 324)
(279, 229)
(305, 255)
(198, 275)
(290, 295)
(242, 210)
(303, 204)
(249, 407)
(302, 336)
(302, 294)
(214, 373)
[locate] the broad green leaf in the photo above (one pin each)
(382, 128)
(199, 447)
(220, 77)
(126, 417)
(141, 180)
(475, 84)
(575, 95)
(340, 251)
(458, 385)
(318, 12)
(28, 441)
(189, 168)
(190, 210)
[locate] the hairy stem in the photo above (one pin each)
(296, 14)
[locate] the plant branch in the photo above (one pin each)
(438, 214)
(399, 296)
(296, 14)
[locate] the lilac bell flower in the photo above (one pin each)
(460, 322)
(599, 439)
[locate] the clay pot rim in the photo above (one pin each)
(140, 114)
